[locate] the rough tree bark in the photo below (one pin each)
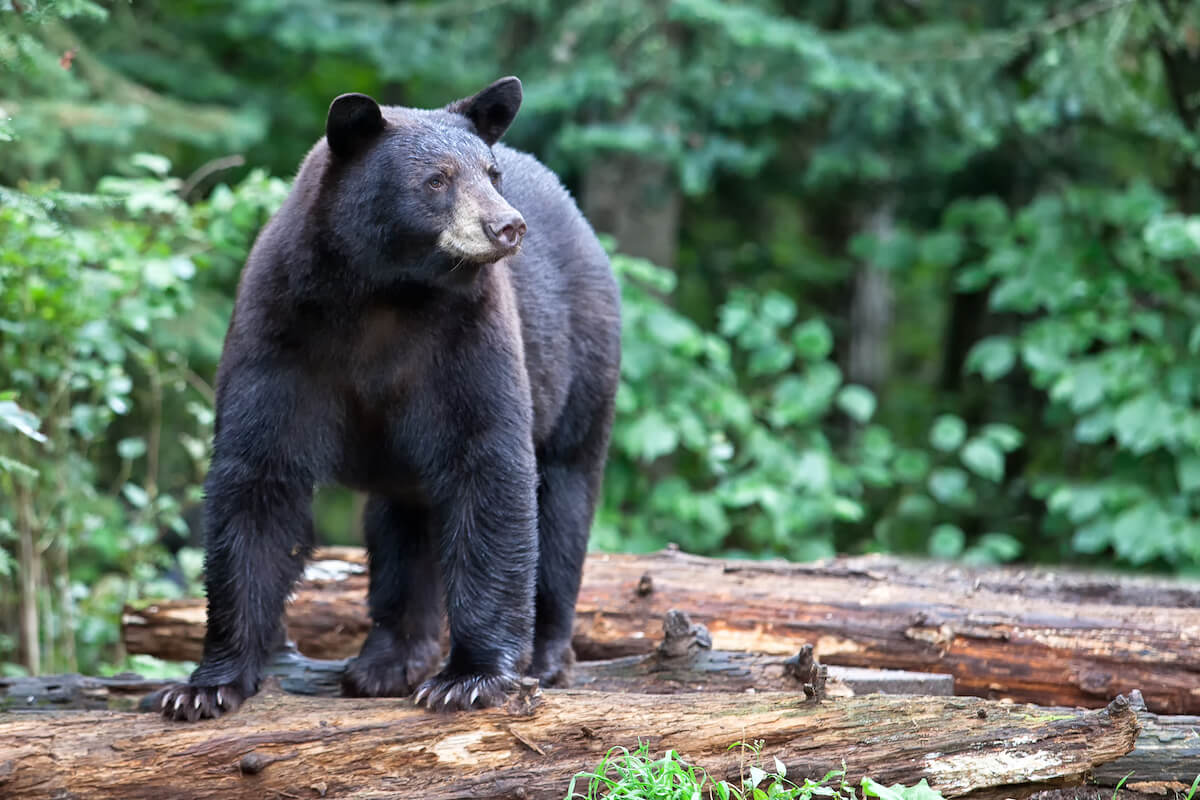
(868, 357)
(1051, 637)
(1165, 759)
(638, 203)
(286, 746)
(684, 661)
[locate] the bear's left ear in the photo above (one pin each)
(354, 119)
(492, 110)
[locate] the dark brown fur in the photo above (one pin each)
(464, 382)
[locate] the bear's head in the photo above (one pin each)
(414, 193)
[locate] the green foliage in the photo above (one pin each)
(720, 442)
(105, 422)
(933, 289)
(1098, 279)
(635, 776)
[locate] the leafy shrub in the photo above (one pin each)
(106, 419)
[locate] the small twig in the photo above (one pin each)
(199, 384)
(526, 741)
(216, 165)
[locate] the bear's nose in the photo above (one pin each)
(509, 232)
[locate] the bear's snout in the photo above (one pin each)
(507, 232)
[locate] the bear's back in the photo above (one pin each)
(564, 285)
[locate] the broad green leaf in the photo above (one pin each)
(813, 340)
(1092, 538)
(1174, 236)
(919, 791)
(136, 495)
(20, 420)
(131, 448)
(159, 165)
(911, 465)
(948, 433)
(857, 401)
(779, 308)
(946, 541)
(651, 437)
(999, 547)
(1187, 471)
(1006, 437)
(992, 357)
(948, 484)
(872, 788)
(984, 458)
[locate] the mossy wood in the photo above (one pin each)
(1051, 637)
(288, 746)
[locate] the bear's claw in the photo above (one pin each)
(464, 692)
(184, 702)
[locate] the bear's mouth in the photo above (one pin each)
(463, 251)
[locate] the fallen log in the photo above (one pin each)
(1165, 759)
(682, 662)
(1052, 637)
(281, 745)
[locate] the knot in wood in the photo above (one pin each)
(253, 763)
(645, 585)
(682, 638)
(811, 674)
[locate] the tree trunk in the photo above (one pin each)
(29, 567)
(868, 360)
(1052, 637)
(285, 746)
(637, 202)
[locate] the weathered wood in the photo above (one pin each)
(1165, 759)
(682, 662)
(327, 617)
(1054, 637)
(291, 672)
(288, 746)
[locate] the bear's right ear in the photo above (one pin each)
(354, 120)
(492, 110)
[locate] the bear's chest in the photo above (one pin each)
(387, 363)
(383, 373)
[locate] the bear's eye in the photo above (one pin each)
(436, 182)
(494, 174)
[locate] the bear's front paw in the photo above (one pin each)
(185, 702)
(381, 673)
(448, 691)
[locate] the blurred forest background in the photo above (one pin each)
(915, 276)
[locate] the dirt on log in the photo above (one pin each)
(287, 746)
(1050, 637)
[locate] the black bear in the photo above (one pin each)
(430, 319)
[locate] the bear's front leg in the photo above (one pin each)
(258, 533)
(486, 524)
(258, 536)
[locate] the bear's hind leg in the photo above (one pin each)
(570, 469)
(564, 518)
(405, 599)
